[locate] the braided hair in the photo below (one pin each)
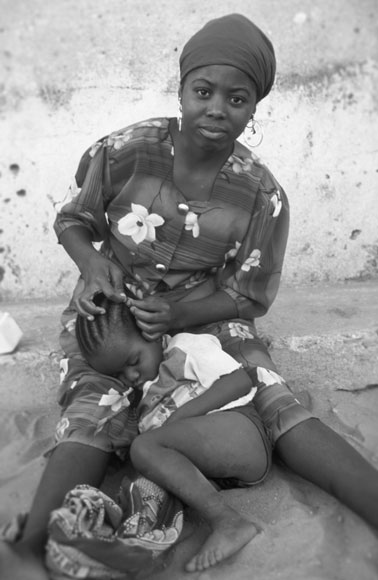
(92, 335)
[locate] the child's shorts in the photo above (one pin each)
(250, 412)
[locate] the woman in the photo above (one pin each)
(197, 228)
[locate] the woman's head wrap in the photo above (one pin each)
(232, 40)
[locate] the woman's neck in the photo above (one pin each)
(195, 169)
(193, 157)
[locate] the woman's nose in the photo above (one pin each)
(216, 107)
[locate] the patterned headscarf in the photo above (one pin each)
(232, 40)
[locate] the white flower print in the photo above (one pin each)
(149, 124)
(241, 330)
(139, 224)
(73, 191)
(61, 428)
(118, 140)
(268, 377)
(191, 223)
(115, 400)
(253, 261)
(70, 326)
(95, 147)
(63, 369)
(277, 202)
(240, 165)
(232, 253)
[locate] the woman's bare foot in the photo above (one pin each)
(230, 533)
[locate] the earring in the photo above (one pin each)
(179, 115)
(253, 133)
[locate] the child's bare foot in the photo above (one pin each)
(230, 533)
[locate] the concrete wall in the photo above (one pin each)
(73, 70)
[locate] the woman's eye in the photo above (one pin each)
(237, 100)
(203, 92)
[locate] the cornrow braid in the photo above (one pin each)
(92, 335)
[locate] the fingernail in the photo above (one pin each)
(90, 318)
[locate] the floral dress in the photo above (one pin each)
(124, 193)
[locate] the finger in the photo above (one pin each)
(88, 309)
(150, 326)
(151, 330)
(117, 292)
(151, 337)
(150, 305)
(113, 293)
(147, 317)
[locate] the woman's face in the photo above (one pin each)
(217, 103)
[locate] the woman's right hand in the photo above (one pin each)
(98, 275)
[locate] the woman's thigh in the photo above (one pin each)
(221, 445)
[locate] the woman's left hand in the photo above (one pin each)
(154, 316)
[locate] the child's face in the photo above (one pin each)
(133, 360)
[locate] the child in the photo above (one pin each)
(195, 377)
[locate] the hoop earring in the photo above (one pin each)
(179, 115)
(253, 133)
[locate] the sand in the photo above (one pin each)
(325, 341)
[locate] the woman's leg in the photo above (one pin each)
(305, 444)
(69, 465)
(319, 454)
(182, 455)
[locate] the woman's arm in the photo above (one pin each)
(224, 390)
(156, 316)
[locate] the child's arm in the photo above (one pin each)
(224, 390)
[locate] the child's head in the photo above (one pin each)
(113, 345)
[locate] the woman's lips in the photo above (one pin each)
(213, 133)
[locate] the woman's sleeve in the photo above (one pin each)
(85, 204)
(252, 277)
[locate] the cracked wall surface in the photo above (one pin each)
(72, 72)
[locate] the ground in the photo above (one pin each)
(325, 342)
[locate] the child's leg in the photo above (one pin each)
(181, 455)
(319, 454)
(70, 464)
